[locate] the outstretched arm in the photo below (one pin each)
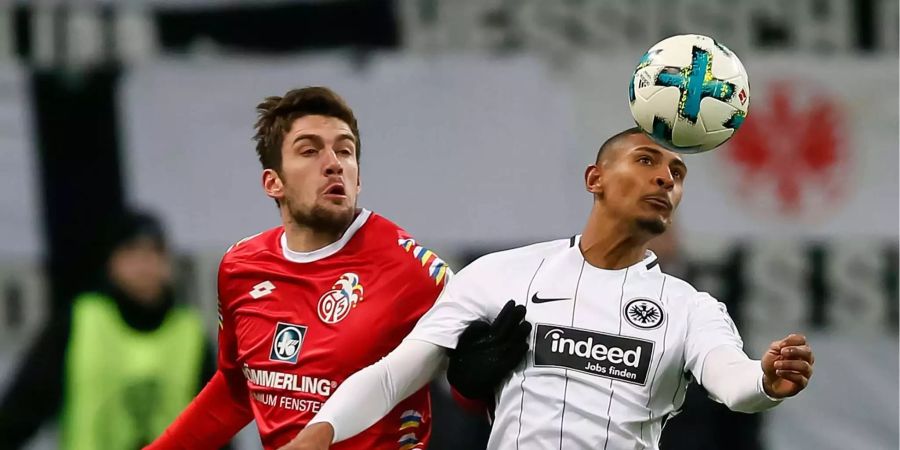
(713, 354)
(747, 385)
(371, 393)
(368, 395)
(218, 413)
(735, 380)
(222, 408)
(489, 349)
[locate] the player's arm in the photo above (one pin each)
(210, 421)
(482, 357)
(222, 408)
(748, 385)
(714, 354)
(371, 393)
(368, 395)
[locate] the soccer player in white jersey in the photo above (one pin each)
(615, 340)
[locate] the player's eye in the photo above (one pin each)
(677, 174)
(345, 152)
(646, 160)
(307, 151)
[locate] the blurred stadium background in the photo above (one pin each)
(477, 119)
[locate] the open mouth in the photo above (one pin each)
(336, 189)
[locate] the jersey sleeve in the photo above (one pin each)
(709, 326)
(227, 355)
(424, 277)
(370, 394)
(222, 408)
(465, 299)
(734, 379)
(227, 360)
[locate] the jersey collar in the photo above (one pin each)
(328, 250)
(649, 263)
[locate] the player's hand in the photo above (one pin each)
(787, 366)
(487, 353)
(317, 436)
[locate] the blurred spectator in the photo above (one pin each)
(120, 363)
(703, 424)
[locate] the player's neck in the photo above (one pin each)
(611, 244)
(304, 239)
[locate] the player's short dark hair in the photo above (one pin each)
(277, 114)
(612, 141)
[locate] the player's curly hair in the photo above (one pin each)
(277, 114)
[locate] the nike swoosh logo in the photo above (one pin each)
(536, 299)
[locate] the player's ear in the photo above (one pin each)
(272, 184)
(593, 176)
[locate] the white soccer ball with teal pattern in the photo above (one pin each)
(690, 93)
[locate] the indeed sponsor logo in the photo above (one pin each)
(588, 349)
(606, 355)
(289, 381)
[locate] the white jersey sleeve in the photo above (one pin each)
(368, 395)
(709, 326)
(479, 291)
(465, 299)
(732, 378)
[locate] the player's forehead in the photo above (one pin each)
(641, 143)
(326, 127)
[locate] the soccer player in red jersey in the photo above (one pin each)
(305, 305)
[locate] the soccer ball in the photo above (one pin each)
(689, 93)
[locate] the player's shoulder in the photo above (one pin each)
(241, 255)
(677, 286)
(250, 246)
(514, 258)
(682, 292)
(420, 261)
(382, 228)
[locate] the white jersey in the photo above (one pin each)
(611, 354)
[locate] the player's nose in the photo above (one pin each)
(664, 179)
(332, 164)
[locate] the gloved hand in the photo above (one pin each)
(486, 354)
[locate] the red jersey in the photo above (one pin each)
(296, 325)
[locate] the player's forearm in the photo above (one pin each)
(368, 395)
(218, 412)
(734, 379)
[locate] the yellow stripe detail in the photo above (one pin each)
(424, 258)
(440, 274)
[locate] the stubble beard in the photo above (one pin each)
(655, 226)
(322, 219)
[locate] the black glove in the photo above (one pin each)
(486, 354)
